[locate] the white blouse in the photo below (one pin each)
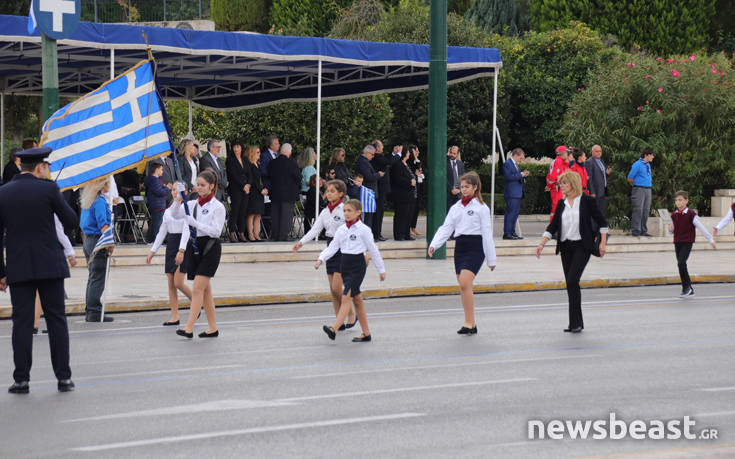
(171, 225)
(193, 168)
(570, 220)
(473, 219)
(357, 239)
(328, 221)
(210, 218)
(63, 238)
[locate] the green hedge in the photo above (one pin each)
(235, 15)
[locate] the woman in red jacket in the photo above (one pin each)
(578, 166)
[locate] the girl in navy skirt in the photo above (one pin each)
(353, 239)
(207, 217)
(469, 221)
(175, 267)
(329, 220)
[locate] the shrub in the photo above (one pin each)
(683, 107)
(498, 16)
(234, 15)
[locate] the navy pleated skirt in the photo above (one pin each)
(334, 264)
(172, 248)
(353, 273)
(468, 253)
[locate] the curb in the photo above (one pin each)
(253, 300)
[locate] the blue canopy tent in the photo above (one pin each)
(230, 70)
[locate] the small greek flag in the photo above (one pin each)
(106, 240)
(116, 127)
(367, 199)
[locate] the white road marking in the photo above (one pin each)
(714, 414)
(144, 373)
(217, 405)
(717, 389)
(428, 367)
(403, 389)
(254, 430)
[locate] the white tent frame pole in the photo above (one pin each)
(492, 176)
(112, 63)
(318, 134)
(191, 132)
(500, 145)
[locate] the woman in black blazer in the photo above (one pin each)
(256, 201)
(572, 227)
(337, 161)
(403, 192)
(189, 165)
(237, 166)
(419, 171)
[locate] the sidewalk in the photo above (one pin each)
(144, 287)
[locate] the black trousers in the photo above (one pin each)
(282, 219)
(601, 202)
(377, 225)
(683, 249)
(23, 297)
(402, 219)
(573, 260)
(238, 212)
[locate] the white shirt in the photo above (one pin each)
(193, 168)
(357, 239)
(63, 239)
(171, 225)
(273, 153)
(214, 160)
(570, 220)
(210, 218)
(473, 219)
(725, 221)
(328, 221)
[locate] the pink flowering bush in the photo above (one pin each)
(683, 107)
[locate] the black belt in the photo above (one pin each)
(639, 186)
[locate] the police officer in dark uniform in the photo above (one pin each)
(35, 263)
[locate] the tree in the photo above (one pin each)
(236, 15)
(498, 16)
(15, 7)
(305, 17)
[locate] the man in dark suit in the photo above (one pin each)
(269, 153)
(597, 178)
(35, 263)
(285, 179)
(455, 170)
(513, 192)
(381, 163)
(370, 179)
(211, 160)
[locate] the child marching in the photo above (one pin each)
(207, 219)
(685, 221)
(175, 267)
(329, 220)
(353, 239)
(469, 221)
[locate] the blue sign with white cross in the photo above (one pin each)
(58, 19)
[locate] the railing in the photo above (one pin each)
(144, 10)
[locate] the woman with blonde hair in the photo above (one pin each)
(337, 161)
(189, 164)
(95, 220)
(256, 203)
(572, 227)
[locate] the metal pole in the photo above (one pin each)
(437, 122)
(318, 133)
(50, 74)
(2, 131)
(112, 63)
(96, 19)
(190, 133)
(164, 10)
(492, 176)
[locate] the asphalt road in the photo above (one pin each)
(273, 385)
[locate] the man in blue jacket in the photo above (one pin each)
(155, 197)
(513, 192)
(640, 177)
(35, 263)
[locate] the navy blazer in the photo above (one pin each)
(450, 176)
(369, 175)
(155, 193)
(265, 159)
(596, 176)
(27, 208)
(206, 161)
(513, 180)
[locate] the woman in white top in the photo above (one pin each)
(329, 220)
(189, 162)
(572, 227)
(207, 218)
(175, 265)
(353, 239)
(469, 221)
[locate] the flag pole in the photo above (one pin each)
(109, 256)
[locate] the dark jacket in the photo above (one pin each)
(400, 183)
(370, 176)
(238, 175)
(590, 219)
(155, 194)
(9, 172)
(285, 178)
(450, 176)
(33, 251)
(186, 171)
(206, 162)
(513, 187)
(595, 176)
(381, 162)
(341, 172)
(256, 181)
(169, 170)
(265, 159)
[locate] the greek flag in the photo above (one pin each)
(106, 240)
(32, 24)
(367, 199)
(116, 127)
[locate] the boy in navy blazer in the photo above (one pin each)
(513, 192)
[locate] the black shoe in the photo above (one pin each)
(329, 331)
(646, 235)
(381, 238)
(362, 339)
(573, 330)
(350, 325)
(65, 385)
(35, 330)
(508, 237)
(410, 238)
(398, 239)
(184, 333)
(204, 334)
(342, 327)
(19, 387)
(98, 317)
(467, 331)
(516, 237)
(175, 322)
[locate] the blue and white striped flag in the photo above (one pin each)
(106, 240)
(367, 199)
(32, 24)
(114, 128)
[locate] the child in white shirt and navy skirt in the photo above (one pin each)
(353, 240)
(207, 219)
(329, 220)
(469, 221)
(175, 266)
